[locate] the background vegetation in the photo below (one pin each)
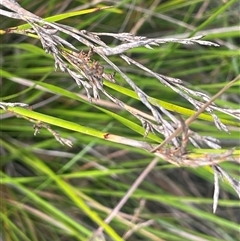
(51, 191)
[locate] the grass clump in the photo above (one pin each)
(113, 118)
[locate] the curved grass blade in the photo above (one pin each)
(62, 16)
(168, 106)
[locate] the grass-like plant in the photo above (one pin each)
(113, 158)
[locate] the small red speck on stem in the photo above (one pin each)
(106, 135)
